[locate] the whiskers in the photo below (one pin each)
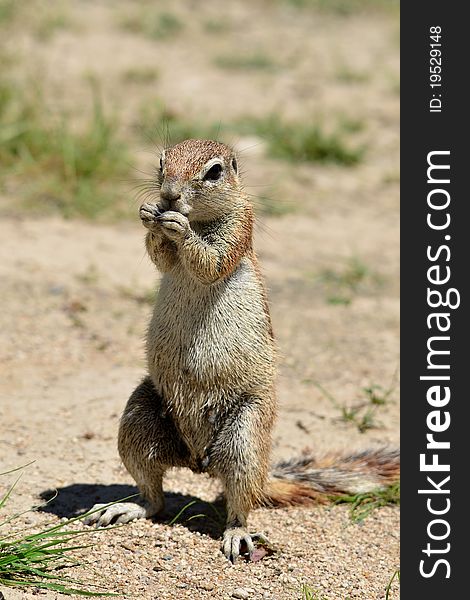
(146, 190)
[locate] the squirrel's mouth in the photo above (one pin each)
(178, 206)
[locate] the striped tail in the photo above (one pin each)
(306, 480)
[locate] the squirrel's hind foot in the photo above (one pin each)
(236, 539)
(103, 515)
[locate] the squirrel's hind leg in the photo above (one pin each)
(240, 457)
(148, 444)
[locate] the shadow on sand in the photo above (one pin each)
(205, 517)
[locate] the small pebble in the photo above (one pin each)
(241, 593)
(206, 586)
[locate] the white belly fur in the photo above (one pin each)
(207, 344)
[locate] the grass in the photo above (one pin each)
(391, 177)
(217, 520)
(348, 75)
(257, 61)
(376, 394)
(140, 75)
(389, 586)
(354, 273)
(42, 19)
(162, 126)
(286, 141)
(216, 26)
(363, 414)
(394, 83)
(308, 593)
(90, 276)
(303, 141)
(274, 207)
(178, 517)
(346, 7)
(341, 285)
(8, 11)
(73, 172)
(351, 125)
(362, 505)
(50, 21)
(153, 24)
(362, 420)
(41, 559)
(142, 297)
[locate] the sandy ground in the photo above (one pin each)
(75, 304)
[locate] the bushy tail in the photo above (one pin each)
(306, 480)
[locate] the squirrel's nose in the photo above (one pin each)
(169, 195)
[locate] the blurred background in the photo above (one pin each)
(308, 91)
(310, 87)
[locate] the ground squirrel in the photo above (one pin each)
(208, 402)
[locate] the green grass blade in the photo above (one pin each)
(35, 559)
(363, 504)
(389, 586)
(17, 468)
(185, 507)
(9, 491)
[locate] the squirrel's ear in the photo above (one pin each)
(235, 165)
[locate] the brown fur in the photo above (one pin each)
(208, 402)
(280, 493)
(306, 480)
(186, 159)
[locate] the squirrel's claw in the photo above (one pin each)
(149, 213)
(122, 512)
(237, 537)
(174, 224)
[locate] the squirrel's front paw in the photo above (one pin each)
(149, 214)
(174, 224)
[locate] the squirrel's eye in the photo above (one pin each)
(235, 165)
(161, 165)
(213, 173)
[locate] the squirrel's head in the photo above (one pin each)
(199, 178)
